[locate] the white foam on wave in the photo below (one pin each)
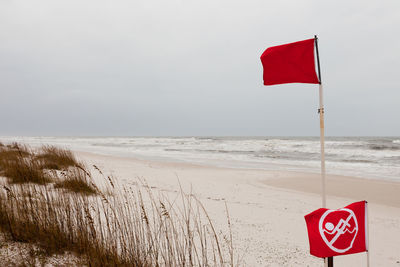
(348, 156)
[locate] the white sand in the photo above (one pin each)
(266, 212)
(15, 253)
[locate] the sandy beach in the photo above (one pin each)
(267, 208)
(130, 129)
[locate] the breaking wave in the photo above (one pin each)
(377, 157)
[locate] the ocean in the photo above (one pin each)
(367, 157)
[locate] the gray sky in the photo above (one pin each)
(184, 67)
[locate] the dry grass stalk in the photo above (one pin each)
(77, 180)
(17, 164)
(55, 158)
(130, 227)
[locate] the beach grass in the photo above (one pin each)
(55, 158)
(77, 180)
(116, 226)
(18, 165)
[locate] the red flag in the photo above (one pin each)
(337, 232)
(290, 63)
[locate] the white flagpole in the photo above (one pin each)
(321, 127)
(322, 140)
(367, 230)
(328, 262)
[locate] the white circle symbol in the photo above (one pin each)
(340, 229)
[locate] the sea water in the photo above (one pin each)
(368, 157)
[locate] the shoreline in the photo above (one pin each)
(298, 181)
(373, 190)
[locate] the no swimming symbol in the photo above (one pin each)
(337, 232)
(338, 229)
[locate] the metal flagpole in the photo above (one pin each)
(328, 261)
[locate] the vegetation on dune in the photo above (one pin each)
(21, 165)
(12, 151)
(55, 158)
(17, 164)
(77, 180)
(24, 170)
(128, 226)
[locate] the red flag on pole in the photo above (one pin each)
(290, 63)
(337, 232)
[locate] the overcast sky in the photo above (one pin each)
(185, 67)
